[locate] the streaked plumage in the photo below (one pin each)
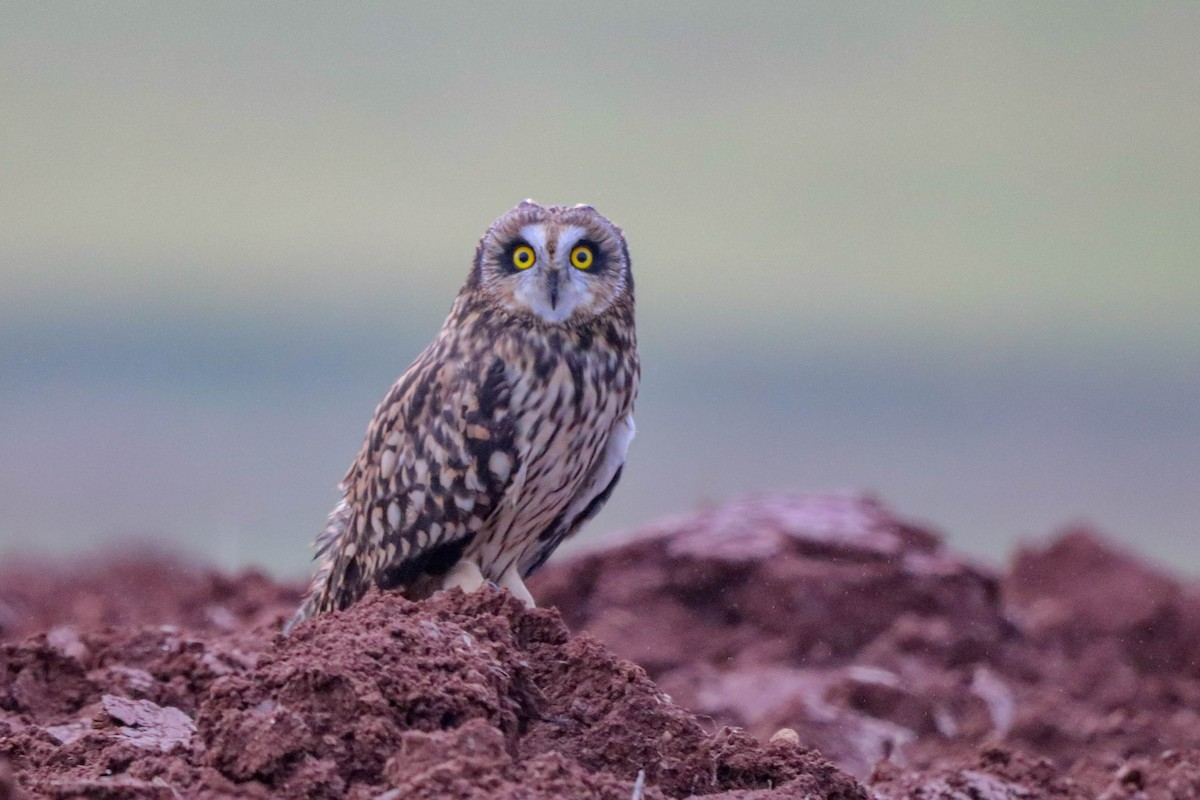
(508, 432)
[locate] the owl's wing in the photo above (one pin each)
(438, 460)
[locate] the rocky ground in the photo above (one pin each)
(774, 647)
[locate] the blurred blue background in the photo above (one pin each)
(947, 252)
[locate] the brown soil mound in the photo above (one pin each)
(830, 616)
(1075, 675)
(459, 696)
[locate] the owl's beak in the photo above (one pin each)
(552, 278)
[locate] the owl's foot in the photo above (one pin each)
(511, 580)
(465, 575)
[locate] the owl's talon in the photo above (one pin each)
(465, 575)
(511, 580)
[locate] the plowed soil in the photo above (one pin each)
(774, 647)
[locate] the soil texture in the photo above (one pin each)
(773, 647)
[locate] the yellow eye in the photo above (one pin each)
(581, 257)
(523, 257)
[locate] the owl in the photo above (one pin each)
(508, 432)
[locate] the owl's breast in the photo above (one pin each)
(565, 409)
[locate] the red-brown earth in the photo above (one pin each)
(773, 647)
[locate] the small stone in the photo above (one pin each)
(785, 735)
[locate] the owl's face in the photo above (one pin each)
(557, 264)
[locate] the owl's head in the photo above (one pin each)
(553, 264)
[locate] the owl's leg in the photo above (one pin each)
(511, 580)
(465, 575)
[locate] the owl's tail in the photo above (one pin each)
(323, 590)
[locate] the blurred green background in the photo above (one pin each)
(947, 252)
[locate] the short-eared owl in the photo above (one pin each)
(507, 433)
